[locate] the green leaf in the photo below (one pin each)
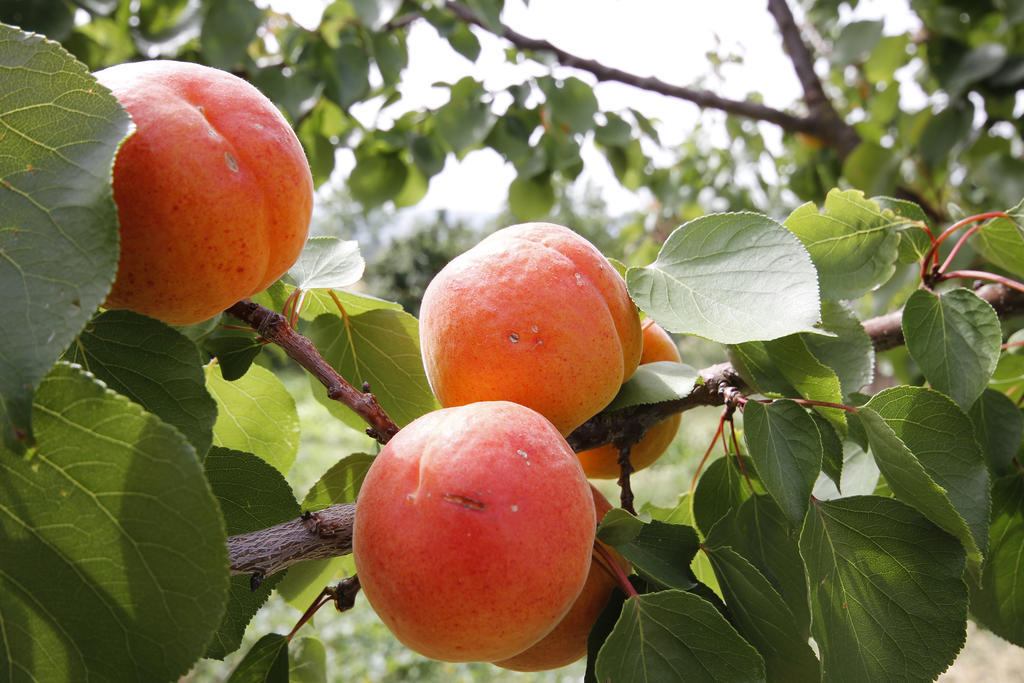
(850, 353)
(255, 414)
(531, 198)
(235, 350)
(831, 449)
(428, 154)
(908, 479)
(265, 662)
(786, 367)
(1002, 241)
(348, 73)
(572, 103)
(655, 383)
(761, 533)
(377, 177)
(941, 437)
(853, 243)
(339, 484)
(619, 527)
(675, 636)
(999, 429)
(599, 633)
(307, 660)
(887, 600)
(374, 14)
(152, 364)
(856, 40)
(464, 41)
(227, 29)
(317, 302)
(58, 243)
(860, 474)
(662, 552)
(114, 563)
(761, 616)
(466, 119)
(872, 168)
(252, 495)
(955, 339)
(914, 241)
(977, 64)
(327, 263)
(380, 347)
(999, 603)
(943, 131)
(721, 489)
(786, 448)
(730, 278)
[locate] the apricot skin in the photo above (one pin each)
(213, 191)
(474, 530)
(603, 462)
(568, 641)
(532, 314)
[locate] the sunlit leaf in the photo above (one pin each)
(327, 263)
(869, 556)
(730, 278)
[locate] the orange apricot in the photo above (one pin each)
(603, 462)
(213, 191)
(532, 314)
(474, 530)
(568, 641)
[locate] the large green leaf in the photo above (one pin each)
(380, 347)
(761, 533)
(1002, 241)
(531, 197)
(999, 603)
(252, 495)
(999, 429)
(761, 616)
(227, 29)
(654, 383)
(850, 354)
(720, 493)
(154, 365)
(911, 483)
(114, 563)
(327, 263)
(658, 550)
(675, 636)
(265, 662)
(731, 278)
(59, 132)
(954, 337)
(255, 414)
(786, 367)
(572, 103)
(786, 448)
(466, 119)
(887, 598)
(853, 243)
(941, 437)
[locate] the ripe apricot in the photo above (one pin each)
(603, 462)
(568, 641)
(213, 191)
(532, 314)
(473, 532)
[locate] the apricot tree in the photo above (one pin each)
(871, 493)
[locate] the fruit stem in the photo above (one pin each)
(700, 467)
(932, 255)
(983, 275)
(608, 563)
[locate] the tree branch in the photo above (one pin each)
(328, 532)
(811, 125)
(274, 328)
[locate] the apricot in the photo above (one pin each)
(213, 191)
(532, 314)
(473, 532)
(568, 641)
(603, 462)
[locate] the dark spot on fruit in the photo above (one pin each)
(465, 502)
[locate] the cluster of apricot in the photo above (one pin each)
(474, 532)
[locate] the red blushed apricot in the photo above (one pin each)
(213, 191)
(603, 462)
(532, 314)
(474, 530)
(568, 641)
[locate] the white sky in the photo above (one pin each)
(664, 38)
